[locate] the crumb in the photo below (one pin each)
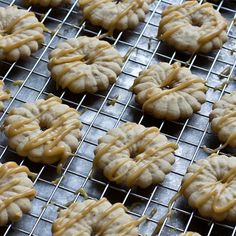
(83, 193)
(56, 181)
(52, 32)
(225, 72)
(113, 100)
(153, 212)
(18, 82)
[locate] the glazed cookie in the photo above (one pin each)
(191, 27)
(47, 3)
(189, 233)
(169, 92)
(45, 131)
(16, 191)
(3, 95)
(133, 155)
(223, 119)
(85, 64)
(95, 217)
(20, 33)
(115, 15)
(210, 184)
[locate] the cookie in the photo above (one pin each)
(3, 95)
(45, 131)
(191, 27)
(223, 119)
(20, 33)
(16, 191)
(169, 92)
(133, 155)
(98, 217)
(210, 187)
(115, 15)
(85, 64)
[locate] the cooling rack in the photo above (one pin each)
(98, 115)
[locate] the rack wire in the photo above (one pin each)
(98, 116)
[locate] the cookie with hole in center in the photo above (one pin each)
(85, 64)
(21, 33)
(209, 186)
(16, 191)
(95, 217)
(191, 27)
(115, 14)
(169, 92)
(45, 131)
(133, 155)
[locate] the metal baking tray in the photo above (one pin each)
(98, 116)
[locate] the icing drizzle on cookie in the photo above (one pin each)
(51, 137)
(175, 13)
(7, 172)
(146, 156)
(91, 6)
(63, 223)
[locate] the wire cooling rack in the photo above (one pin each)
(98, 116)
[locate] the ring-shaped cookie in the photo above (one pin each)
(191, 27)
(95, 217)
(115, 15)
(45, 131)
(16, 191)
(20, 33)
(210, 187)
(85, 64)
(3, 95)
(223, 119)
(169, 92)
(133, 155)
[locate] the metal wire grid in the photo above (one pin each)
(98, 117)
